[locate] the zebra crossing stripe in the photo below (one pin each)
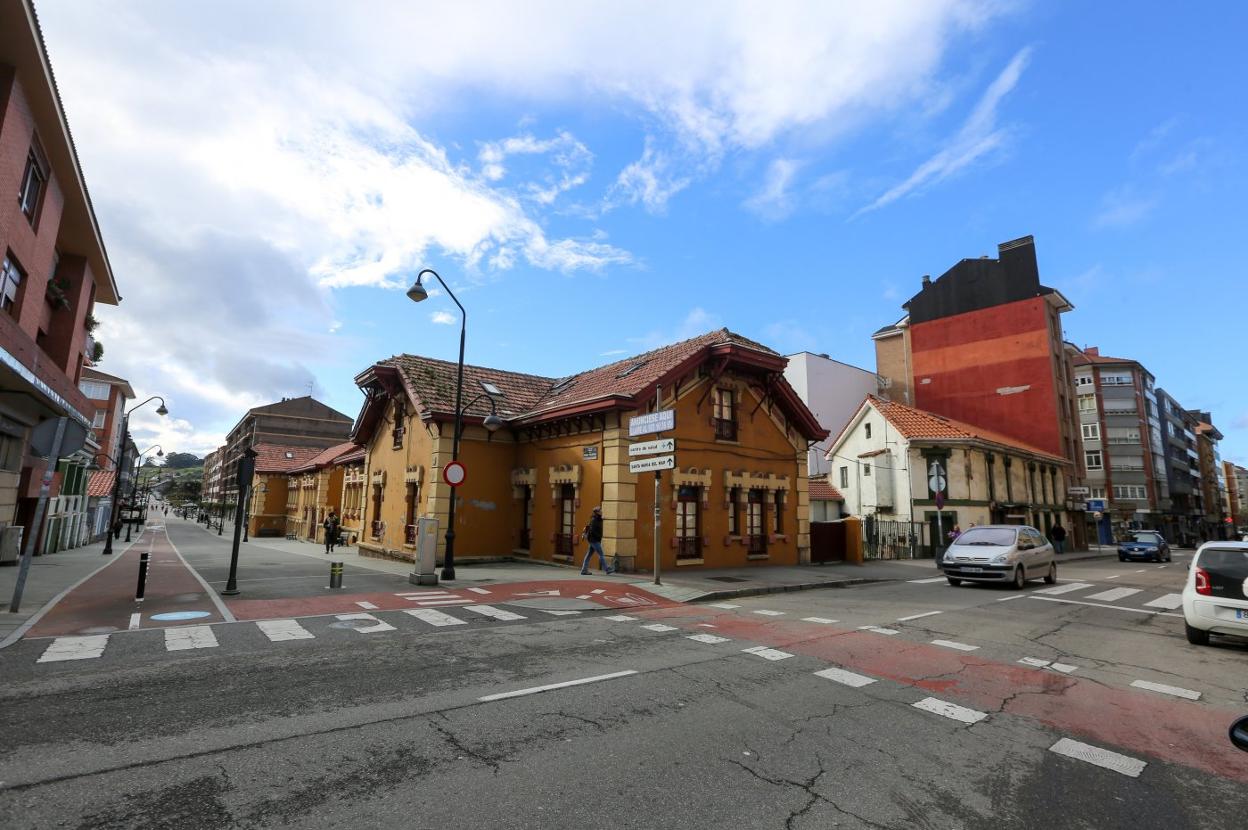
(478, 590)
(279, 630)
(1113, 594)
(74, 648)
(847, 678)
(376, 628)
(707, 638)
(491, 611)
(1064, 589)
(820, 620)
(620, 618)
(190, 636)
(767, 653)
(433, 616)
(659, 627)
(1168, 602)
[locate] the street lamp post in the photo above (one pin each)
(121, 454)
(134, 480)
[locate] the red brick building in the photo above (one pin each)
(53, 265)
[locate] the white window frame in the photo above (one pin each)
(1083, 380)
(1092, 432)
(1088, 399)
(1087, 460)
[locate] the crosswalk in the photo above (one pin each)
(1146, 599)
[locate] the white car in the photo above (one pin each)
(1215, 597)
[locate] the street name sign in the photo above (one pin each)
(1078, 491)
(652, 447)
(661, 462)
(661, 421)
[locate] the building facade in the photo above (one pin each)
(882, 466)
(737, 494)
(1236, 478)
(314, 489)
(832, 390)
(272, 487)
(53, 271)
(1184, 521)
(1212, 485)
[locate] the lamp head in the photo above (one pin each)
(162, 410)
(160, 453)
(417, 292)
(492, 423)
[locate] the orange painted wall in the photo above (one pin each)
(961, 362)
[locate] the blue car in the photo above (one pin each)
(1144, 544)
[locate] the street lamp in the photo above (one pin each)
(161, 410)
(134, 480)
(416, 294)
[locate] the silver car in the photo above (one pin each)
(1000, 553)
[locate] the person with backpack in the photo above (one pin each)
(331, 531)
(593, 534)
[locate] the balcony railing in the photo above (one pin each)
(725, 430)
(689, 547)
(564, 544)
(758, 543)
(378, 528)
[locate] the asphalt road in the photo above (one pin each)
(389, 728)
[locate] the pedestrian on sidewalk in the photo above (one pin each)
(593, 534)
(1058, 534)
(331, 531)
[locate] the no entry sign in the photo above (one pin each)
(454, 473)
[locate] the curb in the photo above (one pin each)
(784, 589)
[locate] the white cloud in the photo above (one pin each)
(649, 181)
(978, 136)
(774, 201)
(613, 352)
(1123, 207)
(442, 318)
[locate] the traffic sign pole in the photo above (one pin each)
(657, 565)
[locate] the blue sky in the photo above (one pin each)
(594, 182)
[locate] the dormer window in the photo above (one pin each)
(562, 385)
(631, 369)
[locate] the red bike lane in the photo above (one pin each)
(106, 602)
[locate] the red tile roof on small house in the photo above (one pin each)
(821, 490)
(278, 458)
(917, 424)
(101, 483)
(325, 457)
(352, 456)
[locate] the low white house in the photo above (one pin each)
(890, 461)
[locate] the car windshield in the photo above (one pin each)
(1147, 538)
(996, 536)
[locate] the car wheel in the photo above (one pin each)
(1195, 636)
(954, 581)
(1020, 579)
(1051, 577)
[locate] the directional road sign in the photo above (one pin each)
(662, 462)
(652, 447)
(661, 421)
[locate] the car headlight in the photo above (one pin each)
(1003, 558)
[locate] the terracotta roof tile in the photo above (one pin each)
(919, 424)
(433, 381)
(820, 490)
(324, 458)
(100, 483)
(351, 456)
(278, 458)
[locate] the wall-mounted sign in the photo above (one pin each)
(652, 447)
(589, 453)
(661, 421)
(1078, 491)
(661, 462)
(1096, 504)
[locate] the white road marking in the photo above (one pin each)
(367, 606)
(427, 595)
(478, 590)
(491, 611)
(1010, 597)
(950, 710)
(278, 630)
(1064, 668)
(1115, 576)
(189, 636)
(1065, 589)
(599, 591)
(1166, 690)
(1142, 571)
(620, 618)
(820, 620)
(889, 631)
(559, 613)
(433, 616)
(1034, 661)
(767, 653)
(659, 627)
(74, 648)
(134, 620)
(1113, 607)
(1169, 602)
(377, 627)
(549, 686)
(707, 638)
(727, 606)
(846, 678)
(926, 581)
(1100, 757)
(431, 603)
(953, 645)
(707, 625)
(1113, 594)
(917, 616)
(766, 613)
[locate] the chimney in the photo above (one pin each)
(1094, 351)
(927, 280)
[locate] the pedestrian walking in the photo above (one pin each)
(593, 534)
(955, 533)
(331, 531)
(1057, 533)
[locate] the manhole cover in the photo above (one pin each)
(553, 604)
(727, 579)
(180, 615)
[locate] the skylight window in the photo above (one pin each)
(491, 389)
(562, 385)
(631, 369)
(290, 454)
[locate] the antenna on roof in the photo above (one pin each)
(310, 388)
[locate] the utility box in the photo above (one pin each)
(426, 570)
(10, 544)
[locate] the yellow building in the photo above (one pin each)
(266, 515)
(738, 494)
(313, 490)
(352, 508)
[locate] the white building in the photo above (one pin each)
(832, 390)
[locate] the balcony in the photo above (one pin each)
(725, 430)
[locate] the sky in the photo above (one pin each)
(594, 180)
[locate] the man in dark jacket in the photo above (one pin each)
(331, 531)
(1057, 534)
(593, 534)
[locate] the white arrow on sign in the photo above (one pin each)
(652, 447)
(662, 462)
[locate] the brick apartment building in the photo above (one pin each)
(983, 344)
(53, 264)
(108, 394)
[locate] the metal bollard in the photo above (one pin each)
(142, 587)
(335, 574)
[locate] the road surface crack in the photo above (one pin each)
(452, 739)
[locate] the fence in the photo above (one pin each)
(887, 539)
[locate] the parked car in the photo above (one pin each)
(1215, 596)
(1000, 553)
(1144, 544)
